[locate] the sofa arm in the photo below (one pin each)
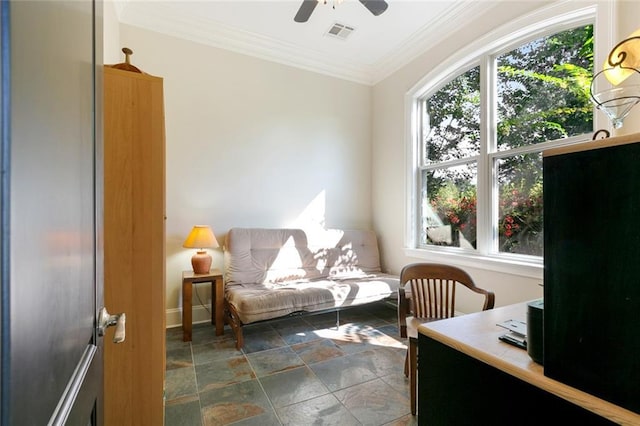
(403, 312)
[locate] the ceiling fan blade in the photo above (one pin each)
(305, 10)
(375, 6)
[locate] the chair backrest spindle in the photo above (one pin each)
(433, 289)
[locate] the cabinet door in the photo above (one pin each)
(457, 389)
(591, 270)
(134, 245)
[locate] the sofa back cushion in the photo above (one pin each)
(262, 255)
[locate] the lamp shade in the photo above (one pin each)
(628, 53)
(201, 236)
(612, 97)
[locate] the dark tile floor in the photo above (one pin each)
(295, 371)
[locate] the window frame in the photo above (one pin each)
(546, 21)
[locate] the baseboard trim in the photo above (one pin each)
(200, 314)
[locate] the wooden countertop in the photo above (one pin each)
(476, 335)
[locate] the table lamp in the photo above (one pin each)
(201, 237)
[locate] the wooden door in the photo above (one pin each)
(50, 255)
(134, 245)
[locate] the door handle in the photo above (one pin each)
(106, 320)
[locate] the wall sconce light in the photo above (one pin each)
(201, 237)
(615, 98)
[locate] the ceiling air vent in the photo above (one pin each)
(340, 31)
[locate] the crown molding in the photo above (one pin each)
(166, 20)
(161, 17)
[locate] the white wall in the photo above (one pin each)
(253, 143)
(111, 49)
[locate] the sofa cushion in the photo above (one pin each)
(256, 255)
(261, 255)
(351, 252)
(275, 272)
(257, 302)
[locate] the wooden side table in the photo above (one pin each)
(217, 300)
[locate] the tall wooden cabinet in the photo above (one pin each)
(591, 268)
(134, 246)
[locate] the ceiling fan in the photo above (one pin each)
(306, 8)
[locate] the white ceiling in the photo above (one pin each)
(378, 46)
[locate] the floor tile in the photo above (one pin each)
(224, 372)
(358, 315)
(299, 333)
(378, 337)
(174, 338)
(185, 414)
(398, 381)
(390, 330)
(179, 357)
(387, 360)
(233, 403)
(292, 386)
(266, 419)
(342, 372)
(356, 329)
(407, 420)
(299, 321)
(180, 382)
(388, 311)
(300, 370)
(203, 333)
(317, 351)
(324, 320)
(323, 410)
(347, 341)
(257, 340)
(215, 349)
(274, 361)
(374, 402)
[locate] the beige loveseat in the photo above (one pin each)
(271, 273)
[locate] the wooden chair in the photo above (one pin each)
(432, 297)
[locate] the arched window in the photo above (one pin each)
(478, 130)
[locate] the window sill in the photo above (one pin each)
(529, 269)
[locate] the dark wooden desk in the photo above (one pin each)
(217, 300)
(467, 376)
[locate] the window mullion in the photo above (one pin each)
(486, 180)
(414, 163)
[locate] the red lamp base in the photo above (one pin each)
(201, 262)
